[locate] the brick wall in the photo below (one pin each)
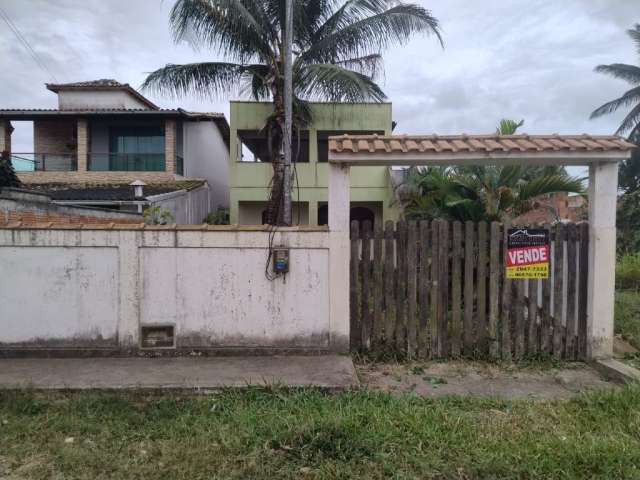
(170, 145)
(58, 218)
(5, 136)
(54, 136)
(94, 177)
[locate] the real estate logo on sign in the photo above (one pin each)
(527, 253)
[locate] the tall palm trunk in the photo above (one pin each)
(275, 133)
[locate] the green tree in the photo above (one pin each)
(336, 47)
(481, 193)
(8, 177)
(629, 177)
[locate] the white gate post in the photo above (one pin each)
(338, 206)
(603, 193)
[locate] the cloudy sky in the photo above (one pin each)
(521, 59)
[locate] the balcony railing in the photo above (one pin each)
(44, 162)
(126, 162)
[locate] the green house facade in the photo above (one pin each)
(371, 187)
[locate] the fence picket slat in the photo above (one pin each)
(354, 303)
(558, 274)
(365, 296)
(435, 288)
(401, 285)
(423, 290)
(519, 326)
(389, 287)
(456, 294)
(469, 267)
(572, 267)
(443, 287)
(583, 291)
(412, 297)
(494, 289)
(481, 291)
(532, 314)
(378, 290)
(545, 312)
(507, 298)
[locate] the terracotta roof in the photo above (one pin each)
(476, 143)
(112, 192)
(102, 84)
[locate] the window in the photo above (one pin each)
(132, 149)
(254, 147)
(323, 140)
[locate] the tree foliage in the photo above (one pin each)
(337, 54)
(8, 177)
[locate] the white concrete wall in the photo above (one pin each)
(98, 286)
(54, 296)
(78, 99)
(206, 156)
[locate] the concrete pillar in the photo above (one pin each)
(603, 193)
(339, 257)
(313, 212)
(170, 146)
(83, 145)
(5, 135)
(129, 294)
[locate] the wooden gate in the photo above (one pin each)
(438, 290)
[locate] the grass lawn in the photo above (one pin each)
(308, 434)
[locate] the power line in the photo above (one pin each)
(25, 43)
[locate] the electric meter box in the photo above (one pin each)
(280, 260)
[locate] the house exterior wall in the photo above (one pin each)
(250, 180)
(187, 207)
(206, 156)
(97, 287)
(85, 99)
(54, 136)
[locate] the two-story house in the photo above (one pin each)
(105, 133)
(250, 174)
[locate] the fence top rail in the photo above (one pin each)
(170, 227)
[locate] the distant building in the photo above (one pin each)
(106, 133)
(555, 207)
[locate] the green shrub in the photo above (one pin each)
(628, 272)
(627, 316)
(218, 217)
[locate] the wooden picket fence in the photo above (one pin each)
(438, 290)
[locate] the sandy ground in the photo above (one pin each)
(436, 379)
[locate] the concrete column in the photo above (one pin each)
(130, 294)
(170, 145)
(339, 257)
(313, 212)
(603, 193)
(5, 136)
(83, 145)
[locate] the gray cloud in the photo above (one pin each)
(530, 59)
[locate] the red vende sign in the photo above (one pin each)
(527, 255)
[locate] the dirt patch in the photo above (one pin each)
(435, 379)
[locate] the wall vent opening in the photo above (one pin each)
(157, 336)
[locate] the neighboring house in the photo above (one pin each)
(555, 207)
(371, 189)
(105, 132)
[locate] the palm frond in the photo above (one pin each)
(549, 184)
(369, 65)
(634, 33)
(631, 122)
(508, 126)
(622, 71)
(630, 97)
(335, 83)
(388, 26)
(201, 79)
(236, 28)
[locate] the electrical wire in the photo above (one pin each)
(25, 43)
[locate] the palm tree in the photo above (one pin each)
(631, 75)
(493, 193)
(629, 176)
(336, 48)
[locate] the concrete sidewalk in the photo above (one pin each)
(332, 372)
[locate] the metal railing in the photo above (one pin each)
(44, 162)
(126, 162)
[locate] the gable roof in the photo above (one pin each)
(101, 85)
